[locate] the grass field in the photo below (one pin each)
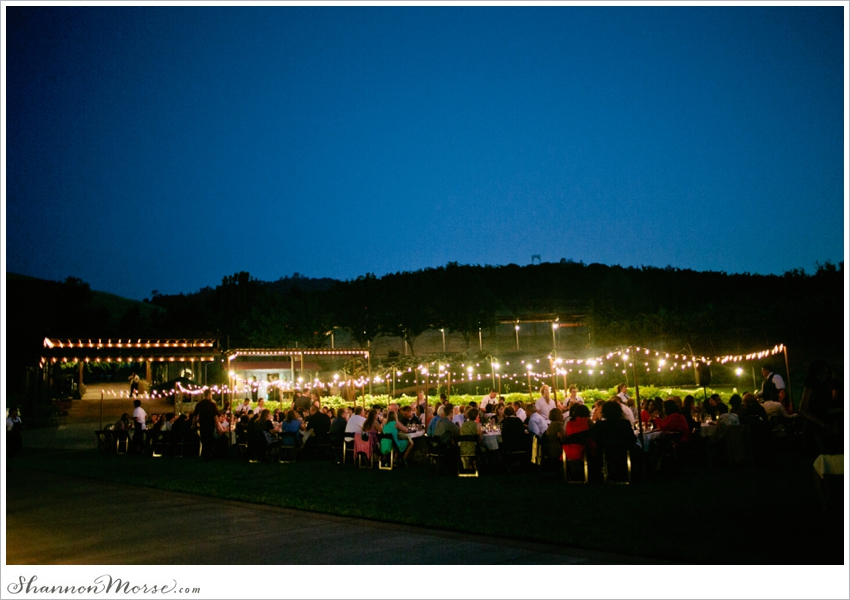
(762, 514)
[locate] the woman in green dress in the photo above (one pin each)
(391, 427)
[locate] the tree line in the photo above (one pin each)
(713, 312)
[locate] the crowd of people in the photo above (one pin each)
(564, 428)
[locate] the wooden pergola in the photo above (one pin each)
(148, 351)
(297, 355)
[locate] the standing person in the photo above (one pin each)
(14, 426)
(139, 425)
(544, 403)
(206, 413)
(771, 385)
(255, 388)
(134, 384)
(573, 398)
(491, 398)
(623, 398)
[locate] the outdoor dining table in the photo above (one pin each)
(648, 436)
(707, 429)
(491, 439)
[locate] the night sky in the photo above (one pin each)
(161, 148)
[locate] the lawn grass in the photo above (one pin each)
(764, 514)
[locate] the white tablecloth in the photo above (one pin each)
(491, 440)
(648, 436)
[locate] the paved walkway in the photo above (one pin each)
(61, 520)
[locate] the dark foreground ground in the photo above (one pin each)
(59, 520)
(72, 502)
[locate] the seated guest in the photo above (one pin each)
(554, 434)
(579, 422)
(536, 423)
(277, 416)
(596, 413)
(458, 417)
(122, 424)
(498, 415)
(445, 429)
(519, 411)
(339, 423)
(785, 401)
(774, 409)
(407, 417)
(391, 427)
(169, 421)
(736, 405)
(432, 424)
(320, 424)
(514, 436)
(355, 421)
(372, 424)
(725, 418)
(244, 407)
(318, 421)
(613, 437)
(293, 424)
(673, 421)
(688, 411)
(753, 408)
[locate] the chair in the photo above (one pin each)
(465, 458)
(665, 448)
(242, 440)
(536, 450)
(103, 438)
(322, 447)
(571, 464)
(348, 449)
(435, 450)
(288, 448)
(607, 470)
(363, 449)
(393, 449)
(160, 444)
(122, 441)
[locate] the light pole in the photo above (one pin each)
(530, 393)
(443, 331)
(516, 329)
(554, 343)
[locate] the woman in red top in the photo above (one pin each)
(674, 421)
(579, 421)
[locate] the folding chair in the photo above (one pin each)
(288, 448)
(386, 450)
(465, 458)
(607, 471)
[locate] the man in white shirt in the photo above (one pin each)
(771, 385)
(537, 425)
(774, 408)
(139, 419)
(355, 421)
(520, 411)
(243, 408)
(491, 398)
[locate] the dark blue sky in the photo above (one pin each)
(165, 147)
